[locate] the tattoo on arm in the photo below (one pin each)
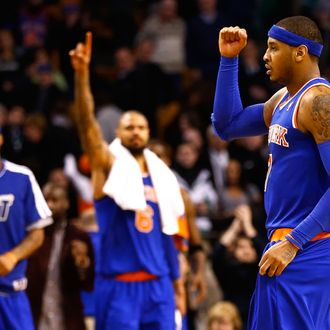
(321, 115)
(288, 255)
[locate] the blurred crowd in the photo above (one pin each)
(160, 58)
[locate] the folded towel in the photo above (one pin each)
(125, 185)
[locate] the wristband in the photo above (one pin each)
(12, 256)
(195, 248)
(294, 242)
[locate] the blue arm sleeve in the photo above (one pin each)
(229, 118)
(319, 219)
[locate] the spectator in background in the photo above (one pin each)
(202, 39)
(41, 58)
(237, 190)
(183, 121)
(33, 24)
(81, 182)
(9, 52)
(224, 315)
(113, 22)
(108, 116)
(13, 133)
(34, 142)
(44, 91)
(11, 77)
(168, 31)
(251, 152)
(235, 259)
(88, 223)
(197, 100)
(58, 177)
(197, 181)
(64, 32)
(35, 150)
(255, 85)
(38, 139)
(140, 85)
(60, 269)
(239, 12)
(218, 155)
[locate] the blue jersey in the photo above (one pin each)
(296, 178)
(22, 208)
(133, 241)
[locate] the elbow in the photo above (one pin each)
(220, 131)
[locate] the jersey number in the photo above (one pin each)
(144, 220)
(6, 201)
(270, 163)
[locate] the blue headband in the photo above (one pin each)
(295, 40)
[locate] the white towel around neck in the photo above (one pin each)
(125, 185)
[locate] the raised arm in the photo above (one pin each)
(83, 115)
(229, 118)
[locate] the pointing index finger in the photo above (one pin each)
(88, 41)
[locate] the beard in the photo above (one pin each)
(135, 151)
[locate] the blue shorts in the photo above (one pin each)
(297, 299)
(15, 312)
(134, 305)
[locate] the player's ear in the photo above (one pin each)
(1, 139)
(301, 52)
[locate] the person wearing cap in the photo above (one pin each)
(23, 215)
(292, 289)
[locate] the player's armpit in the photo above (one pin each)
(270, 105)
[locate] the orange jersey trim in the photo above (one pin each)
(139, 276)
(279, 234)
(183, 227)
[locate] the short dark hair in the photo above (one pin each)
(303, 26)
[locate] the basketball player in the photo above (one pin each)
(23, 214)
(139, 273)
(293, 288)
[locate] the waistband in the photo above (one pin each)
(279, 234)
(138, 276)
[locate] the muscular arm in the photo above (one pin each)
(29, 244)
(83, 115)
(314, 118)
(314, 114)
(229, 118)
